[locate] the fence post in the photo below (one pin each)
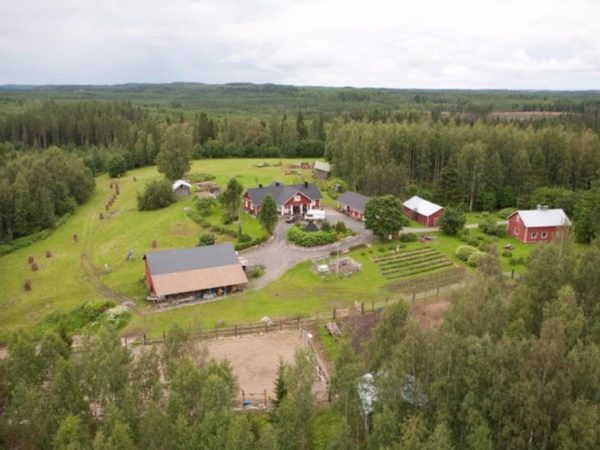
(512, 275)
(413, 298)
(334, 311)
(266, 327)
(236, 330)
(243, 397)
(216, 332)
(164, 337)
(280, 324)
(144, 337)
(362, 308)
(373, 305)
(438, 292)
(298, 321)
(265, 393)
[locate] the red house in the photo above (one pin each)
(537, 225)
(290, 199)
(423, 211)
(353, 204)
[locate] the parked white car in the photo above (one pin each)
(314, 214)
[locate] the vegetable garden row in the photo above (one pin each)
(411, 262)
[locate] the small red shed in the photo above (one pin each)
(423, 211)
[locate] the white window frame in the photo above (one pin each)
(297, 197)
(516, 231)
(534, 235)
(544, 235)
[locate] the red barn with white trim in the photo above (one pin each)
(537, 225)
(423, 211)
(290, 199)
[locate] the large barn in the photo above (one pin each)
(423, 211)
(202, 272)
(353, 204)
(290, 199)
(537, 225)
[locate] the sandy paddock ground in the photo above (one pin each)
(255, 358)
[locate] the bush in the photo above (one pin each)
(325, 226)
(116, 166)
(507, 254)
(227, 219)
(340, 227)
(157, 194)
(452, 221)
(464, 252)
(244, 237)
(464, 234)
(489, 226)
(244, 245)
(475, 258)
(204, 205)
(517, 261)
(505, 212)
(408, 237)
(297, 236)
(206, 239)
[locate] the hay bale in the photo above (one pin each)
(75, 238)
(30, 259)
(48, 254)
(27, 284)
(111, 185)
(34, 267)
(107, 207)
(154, 244)
(101, 216)
(134, 179)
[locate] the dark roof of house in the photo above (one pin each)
(311, 227)
(282, 192)
(184, 259)
(354, 200)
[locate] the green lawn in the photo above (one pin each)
(67, 279)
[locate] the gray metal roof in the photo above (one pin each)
(543, 217)
(180, 260)
(354, 200)
(322, 166)
(283, 192)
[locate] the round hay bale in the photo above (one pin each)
(27, 284)
(154, 244)
(48, 254)
(34, 267)
(30, 259)
(74, 238)
(101, 216)
(134, 179)
(111, 185)
(106, 207)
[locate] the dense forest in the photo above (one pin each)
(448, 146)
(510, 368)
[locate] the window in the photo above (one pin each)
(297, 197)
(544, 235)
(534, 235)
(516, 231)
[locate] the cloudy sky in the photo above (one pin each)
(522, 44)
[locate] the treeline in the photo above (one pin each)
(102, 397)
(482, 166)
(508, 369)
(36, 189)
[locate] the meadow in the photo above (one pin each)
(95, 267)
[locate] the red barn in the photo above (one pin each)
(423, 211)
(537, 225)
(290, 199)
(353, 204)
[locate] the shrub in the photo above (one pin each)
(452, 221)
(157, 194)
(464, 252)
(464, 234)
(206, 239)
(227, 218)
(489, 226)
(204, 205)
(507, 254)
(408, 237)
(517, 261)
(116, 166)
(244, 245)
(244, 237)
(325, 226)
(340, 227)
(505, 212)
(475, 258)
(299, 237)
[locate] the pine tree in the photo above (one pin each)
(301, 127)
(280, 385)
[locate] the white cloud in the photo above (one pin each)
(427, 44)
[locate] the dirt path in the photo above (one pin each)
(278, 256)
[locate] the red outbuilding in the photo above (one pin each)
(423, 211)
(353, 204)
(537, 225)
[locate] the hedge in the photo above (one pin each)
(475, 258)
(313, 239)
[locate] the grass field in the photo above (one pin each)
(76, 272)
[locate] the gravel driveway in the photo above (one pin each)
(278, 256)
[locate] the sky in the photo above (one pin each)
(470, 44)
